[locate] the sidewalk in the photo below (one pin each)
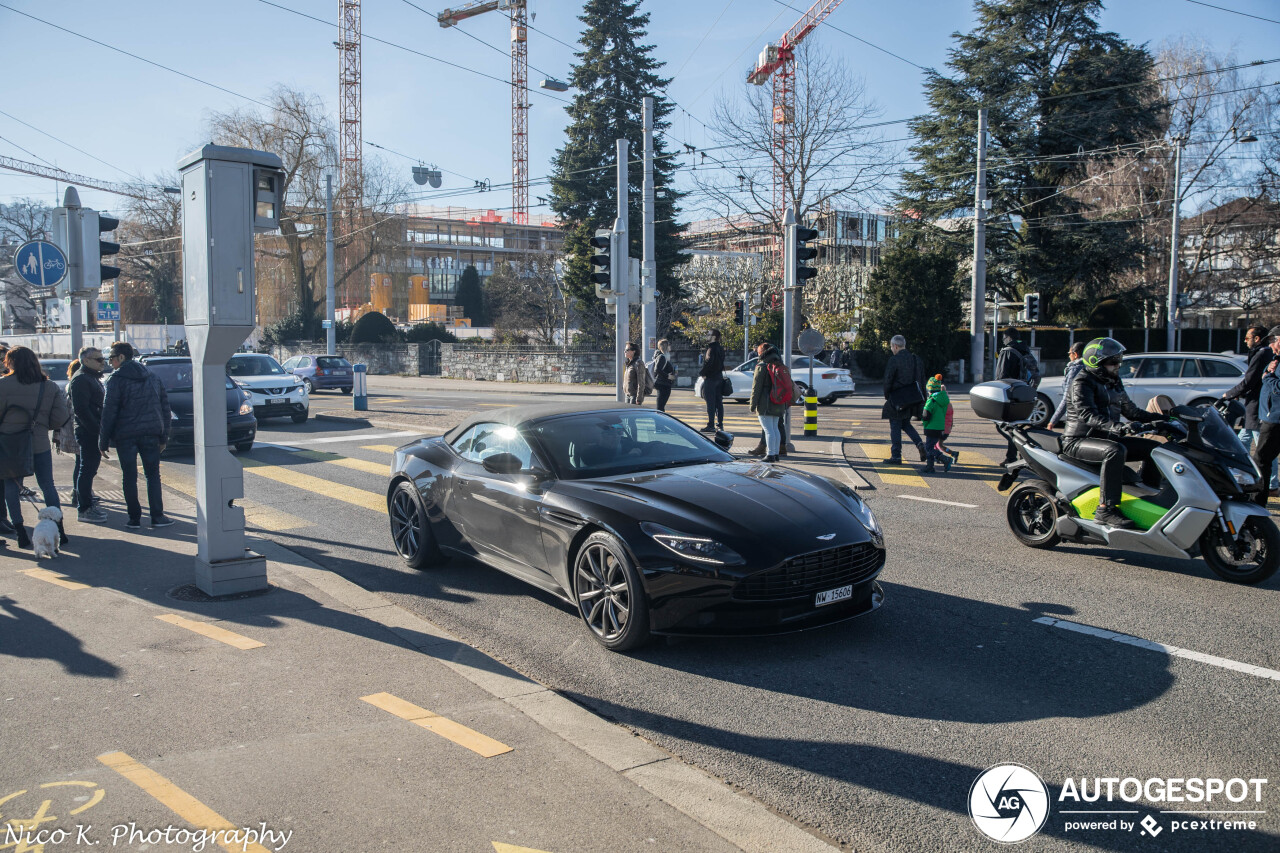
(316, 711)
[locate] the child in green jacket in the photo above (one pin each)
(935, 424)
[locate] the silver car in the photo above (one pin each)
(1188, 378)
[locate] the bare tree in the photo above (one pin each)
(24, 220)
(834, 159)
(150, 236)
(527, 296)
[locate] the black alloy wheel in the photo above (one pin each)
(611, 599)
(1032, 512)
(1255, 556)
(409, 530)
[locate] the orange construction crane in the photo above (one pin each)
(779, 62)
(519, 13)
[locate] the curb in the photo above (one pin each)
(735, 817)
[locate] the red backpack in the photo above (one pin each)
(782, 391)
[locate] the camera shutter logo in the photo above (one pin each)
(1009, 803)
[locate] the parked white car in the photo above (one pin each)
(830, 383)
(275, 393)
(1188, 378)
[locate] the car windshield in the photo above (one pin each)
(173, 375)
(1218, 436)
(254, 365)
(331, 361)
(603, 444)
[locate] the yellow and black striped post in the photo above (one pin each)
(810, 415)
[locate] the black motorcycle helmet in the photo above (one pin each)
(1101, 353)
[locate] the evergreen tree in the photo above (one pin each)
(614, 71)
(1054, 86)
(470, 296)
(913, 293)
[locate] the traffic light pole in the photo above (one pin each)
(649, 271)
(330, 334)
(788, 305)
(746, 325)
(977, 312)
(75, 267)
(620, 269)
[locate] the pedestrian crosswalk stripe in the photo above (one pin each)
(892, 475)
(980, 467)
(380, 448)
(317, 485)
(482, 745)
(257, 515)
(379, 468)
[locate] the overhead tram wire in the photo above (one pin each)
(69, 145)
(1234, 11)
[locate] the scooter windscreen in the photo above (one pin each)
(1216, 435)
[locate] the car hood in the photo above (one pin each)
(261, 383)
(182, 402)
(778, 512)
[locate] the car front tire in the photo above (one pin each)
(300, 417)
(610, 596)
(346, 390)
(410, 533)
(311, 389)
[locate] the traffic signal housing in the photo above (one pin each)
(738, 312)
(1031, 307)
(95, 249)
(602, 245)
(800, 254)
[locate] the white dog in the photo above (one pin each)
(44, 538)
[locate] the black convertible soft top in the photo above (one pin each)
(517, 415)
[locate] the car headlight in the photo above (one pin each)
(697, 548)
(1243, 478)
(246, 408)
(862, 512)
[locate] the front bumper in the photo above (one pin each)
(240, 428)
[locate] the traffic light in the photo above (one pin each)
(800, 254)
(601, 261)
(95, 248)
(1031, 307)
(738, 316)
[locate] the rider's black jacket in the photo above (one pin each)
(1095, 403)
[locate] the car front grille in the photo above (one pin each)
(811, 573)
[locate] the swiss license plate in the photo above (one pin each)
(339, 373)
(831, 596)
(273, 401)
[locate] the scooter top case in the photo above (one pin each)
(1003, 400)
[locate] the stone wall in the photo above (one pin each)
(382, 359)
(526, 364)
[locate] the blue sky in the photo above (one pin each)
(141, 119)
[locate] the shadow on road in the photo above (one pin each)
(24, 634)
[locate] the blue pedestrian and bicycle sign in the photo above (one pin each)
(40, 263)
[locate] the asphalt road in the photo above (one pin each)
(872, 732)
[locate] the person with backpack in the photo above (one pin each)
(664, 373)
(903, 398)
(1016, 363)
(136, 418)
(935, 424)
(771, 392)
(637, 383)
(86, 393)
(30, 406)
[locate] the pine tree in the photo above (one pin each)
(913, 293)
(470, 297)
(1054, 86)
(614, 72)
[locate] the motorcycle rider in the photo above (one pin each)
(1094, 433)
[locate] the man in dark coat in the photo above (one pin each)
(86, 393)
(1012, 364)
(1249, 388)
(136, 418)
(903, 371)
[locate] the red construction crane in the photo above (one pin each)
(519, 13)
(779, 62)
(349, 102)
(56, 174)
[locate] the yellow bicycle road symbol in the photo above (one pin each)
(29, 836)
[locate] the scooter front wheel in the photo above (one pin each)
(1256, 554)
(1032, 512)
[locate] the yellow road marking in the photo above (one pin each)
(181, 803)
(390, 399)
(496, 405)
(53, 578)
(379, 468)
(980, 466)
(213, 632)
(890, 474)
(318, 485)
(256, 514)
(499, 847)
(380, 448)
(482, 745)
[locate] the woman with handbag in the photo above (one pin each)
(30, 406)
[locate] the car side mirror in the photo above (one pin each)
(723, 440)
(503, 463)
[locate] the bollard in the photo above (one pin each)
(810, 415)
(359, 387)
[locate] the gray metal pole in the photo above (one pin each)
(331, 334)
(649, 267)
(621, 271)
(788, 303)
(75, 266)
(746, 325)
(115, 324)
(977, 312)
(1173, 249)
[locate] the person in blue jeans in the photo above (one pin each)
(29, 400)
(135, 418)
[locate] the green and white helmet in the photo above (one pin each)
(1099, 350)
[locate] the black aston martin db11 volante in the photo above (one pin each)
(638, 521)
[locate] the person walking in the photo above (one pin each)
(636, 381)
(935, 425)
(1074, 365)
(904, 398)
(86, 393)
(1015, 363)
(664, 373)
(1249, 390)
(135, 417)
(30, 406)
(769, 375)
(1266, 449)
(712, 373)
